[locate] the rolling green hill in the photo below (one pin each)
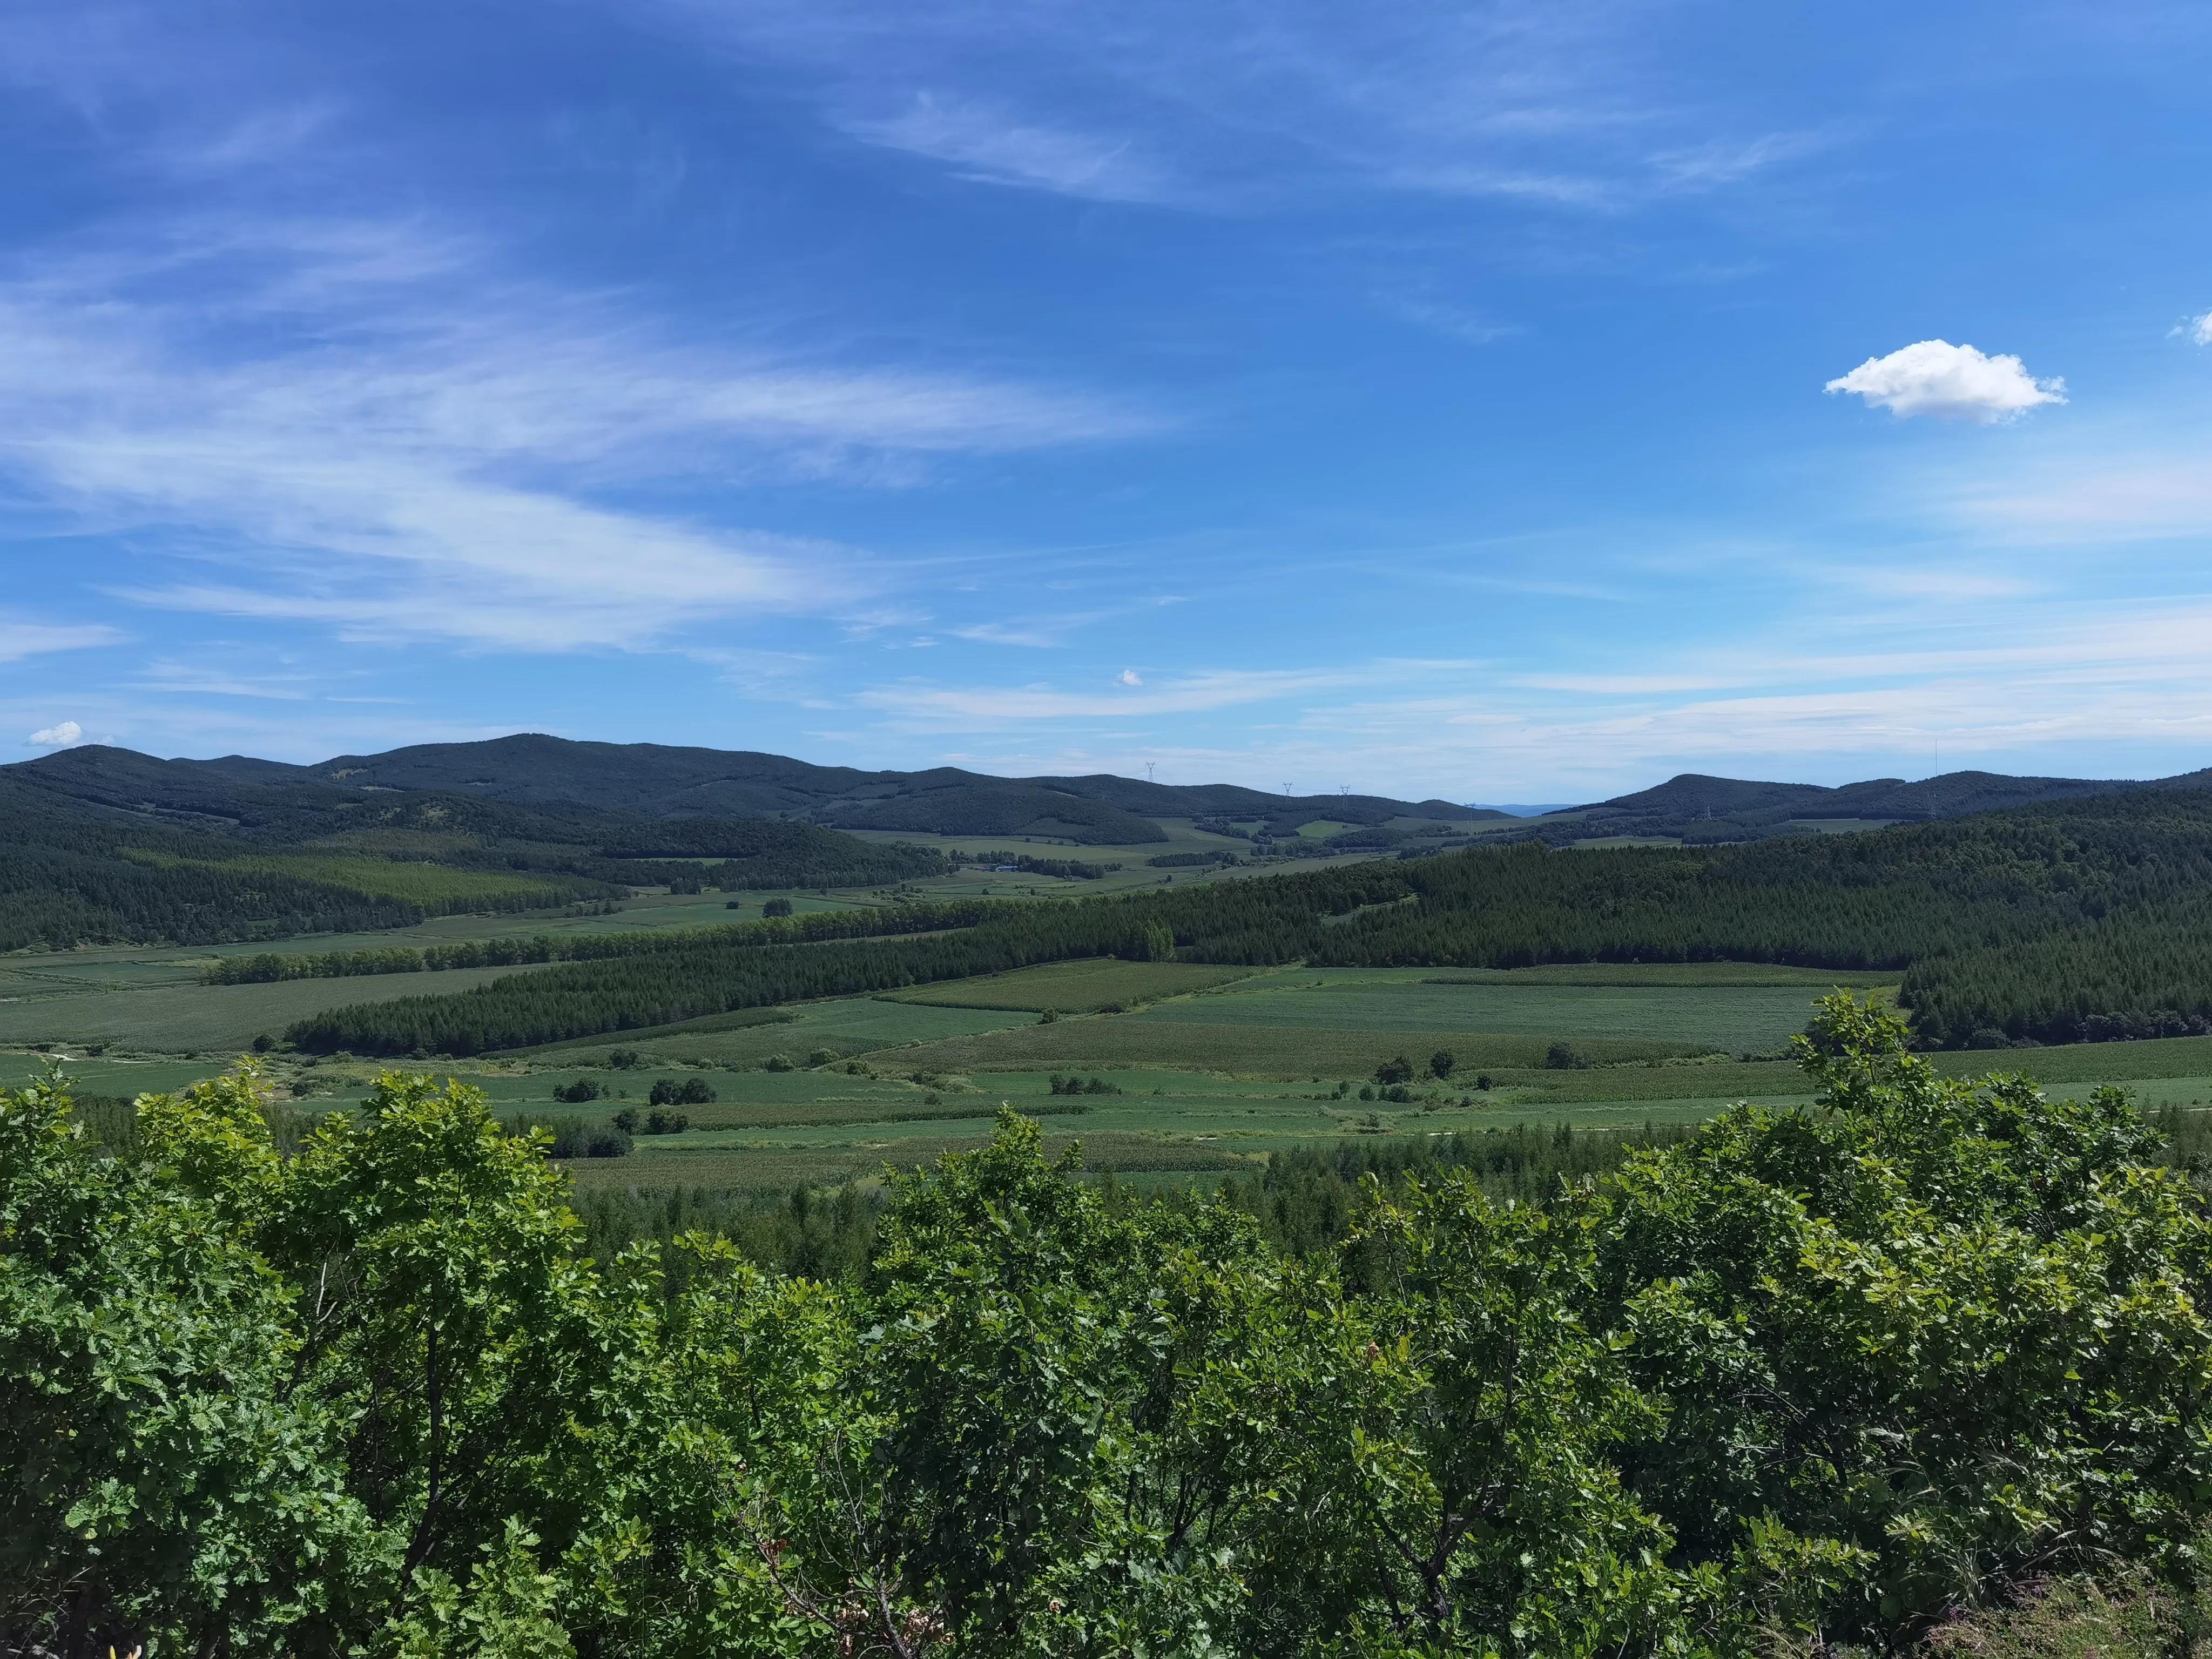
(106, 846)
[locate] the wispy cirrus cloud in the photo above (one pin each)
(978, 707)
(20, 639)
(366, 427)
(986, 144)
(1546, 104)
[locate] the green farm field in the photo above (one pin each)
(1256, 1049)
(129, 965)
(1075, 987)
(769, 1130)
(414, 882)
(1741, 1018)
(1217, 1066)
(185, 1016)
(823, 1126)
(847, 1026)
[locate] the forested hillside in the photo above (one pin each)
(1830, 1380)
(107, 848)
(81, 878)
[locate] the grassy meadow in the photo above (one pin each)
(170, 1016)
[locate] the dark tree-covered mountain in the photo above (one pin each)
(657, 781)
(1708, 809)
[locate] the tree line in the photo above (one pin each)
(720, 971)
(1802, 1378)
(267, 966)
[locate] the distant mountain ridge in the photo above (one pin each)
(658, 780)
(655, 781)
(1694, 806)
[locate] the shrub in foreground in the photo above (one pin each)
(1837, 1374)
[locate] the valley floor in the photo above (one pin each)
(1187, 1070)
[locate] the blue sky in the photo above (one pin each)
(1502, 401)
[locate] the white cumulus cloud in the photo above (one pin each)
(1128, 677)
(62, 735)
(2199, 329)
(1934, 377)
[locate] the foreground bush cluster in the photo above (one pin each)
(1803, 1377)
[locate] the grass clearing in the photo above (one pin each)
(1074, 987)
(410, 882)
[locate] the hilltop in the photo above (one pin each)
(1694, 807)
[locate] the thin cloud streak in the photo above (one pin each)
(400, 434)
(982, 707)
(1551, 105)
(20, 640)
(988, 146)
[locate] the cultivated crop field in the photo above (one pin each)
(1212, 1069)
(188, 1017)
